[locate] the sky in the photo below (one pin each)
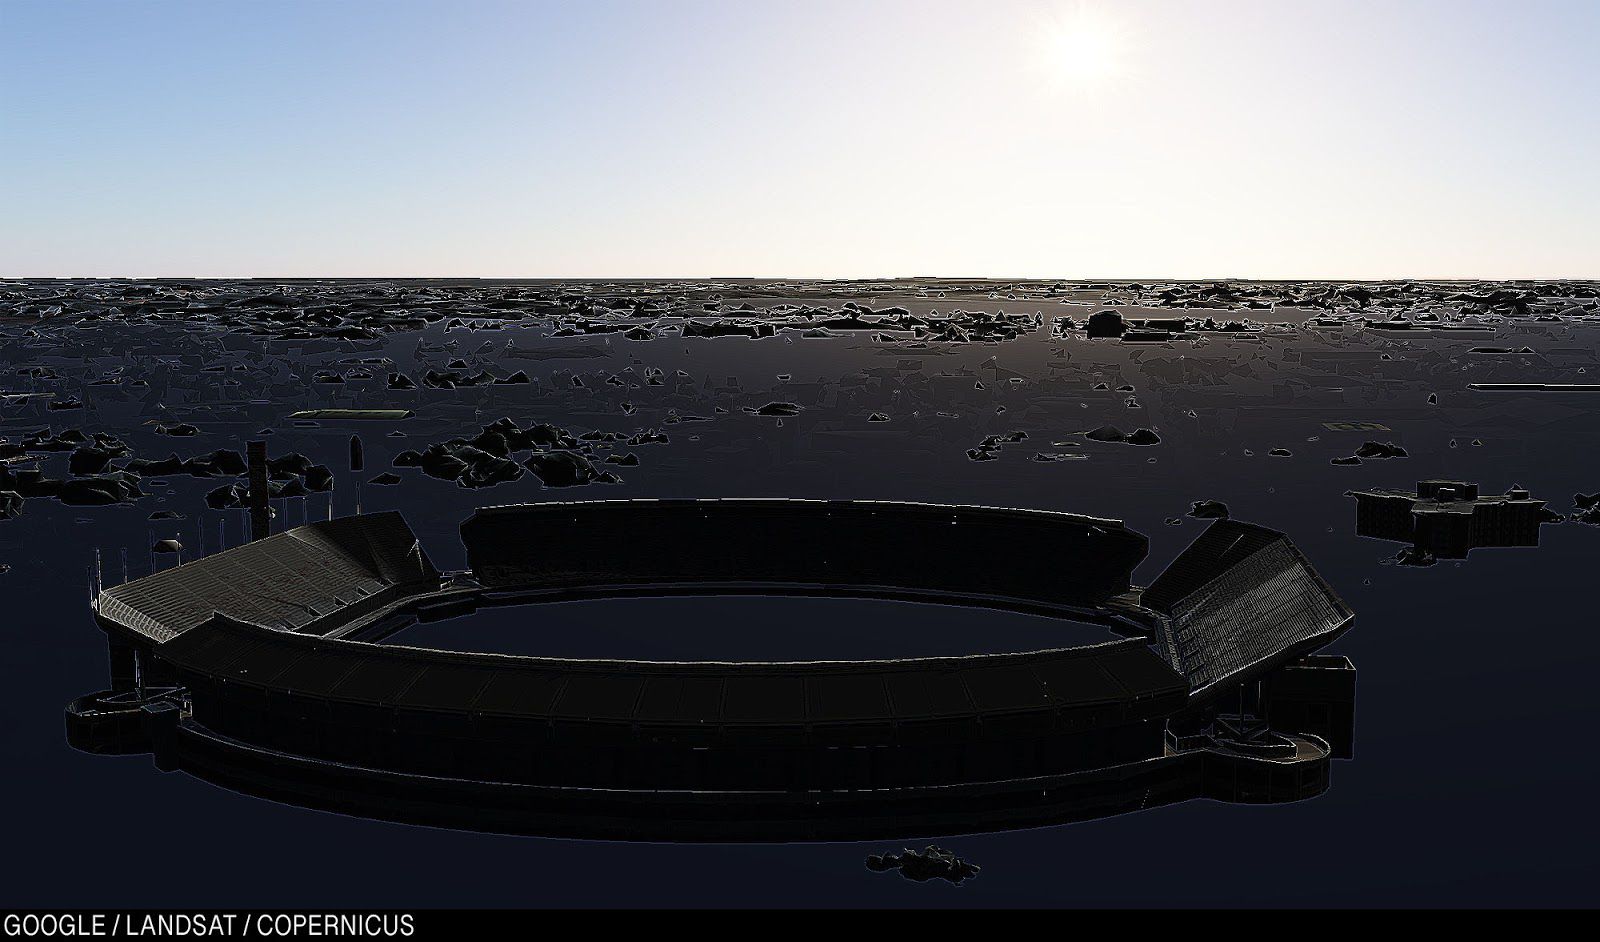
(800, 138)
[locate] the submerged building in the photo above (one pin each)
(1448, 519)
(259, 668)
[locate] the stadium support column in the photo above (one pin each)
(358, 463)
(260, 511)
(124, 670)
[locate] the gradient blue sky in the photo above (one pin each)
(799, 138)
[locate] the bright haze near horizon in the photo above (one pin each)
(816, 139)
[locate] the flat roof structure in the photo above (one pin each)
(1448, 519)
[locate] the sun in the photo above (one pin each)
(1080, 47)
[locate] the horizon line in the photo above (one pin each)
(1081, 279)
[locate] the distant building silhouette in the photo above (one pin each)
(1450, 518)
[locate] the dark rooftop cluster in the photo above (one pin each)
(557, 457)
(930, 863)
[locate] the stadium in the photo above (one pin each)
(263, 669)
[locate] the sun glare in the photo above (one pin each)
(1080, 47)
